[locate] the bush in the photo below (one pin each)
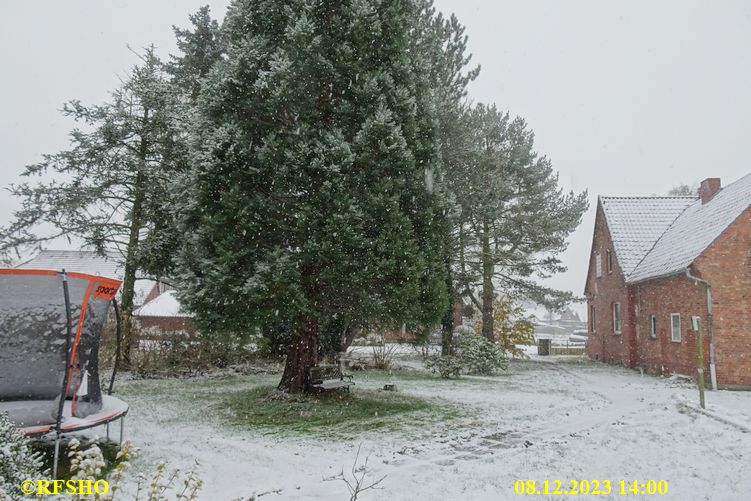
(17, 461)
(383, 356)
(446, 366)
(481, 356)
(511, 326)
(88, 464)
(177, 352)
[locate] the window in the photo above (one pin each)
(610, 261)
(592, 319)
(653, 327)
(598, 266)
(675, 327)
(616, 318)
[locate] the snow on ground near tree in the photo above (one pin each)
(540, 420)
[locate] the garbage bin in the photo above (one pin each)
(543, 347)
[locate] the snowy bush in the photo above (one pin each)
(446, 366)
(461, 331)
(17, 461)
(481, 356)
(474, 355)
(87, 464)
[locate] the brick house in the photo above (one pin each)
(164, 315)
(658, 261)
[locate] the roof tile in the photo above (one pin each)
(693, 231)
(636, 223)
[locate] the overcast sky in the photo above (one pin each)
(626, 98)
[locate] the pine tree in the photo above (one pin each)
(308, 199)
(514, 218)
(112, 189)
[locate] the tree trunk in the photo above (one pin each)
(447, 339)
(131, 254)
(447, 322)
(350, 333)
(129, 277)
(487, 283)
(302, 354)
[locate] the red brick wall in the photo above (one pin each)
(662, 297)
(602, 292)
(726, 264)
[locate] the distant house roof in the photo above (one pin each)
(636, 223)
(659, 236)
(77, 261)
(693, 231)
(88, 262)
(569, 315)
(164, 305)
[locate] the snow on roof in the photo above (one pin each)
(538, 311)
(693, 231)
(141, 290)
(76, 261)
(89, 262)
(164, 305)
(636, 223)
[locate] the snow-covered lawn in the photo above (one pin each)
(560, 419)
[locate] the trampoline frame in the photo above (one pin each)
(70, 352)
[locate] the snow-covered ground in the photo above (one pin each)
(559, 418)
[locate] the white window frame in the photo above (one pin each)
(598, 265)
(653, 326)
(609, 260)
(617, 319)
(673, 317)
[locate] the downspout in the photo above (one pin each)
(710, 330)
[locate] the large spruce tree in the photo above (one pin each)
(313, 192)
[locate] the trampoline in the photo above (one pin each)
(50, 326)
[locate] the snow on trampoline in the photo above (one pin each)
(50, 325)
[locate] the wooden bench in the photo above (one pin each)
(328, 377)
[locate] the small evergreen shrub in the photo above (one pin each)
(447, 366)
(17, 461)
(481, 356)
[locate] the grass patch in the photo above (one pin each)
(395, 375)
(331, 413)
(576, 360)
(373, 375)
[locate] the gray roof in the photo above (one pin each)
(693, 231)
(636, 223)
(91, 263)
(76, 261)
